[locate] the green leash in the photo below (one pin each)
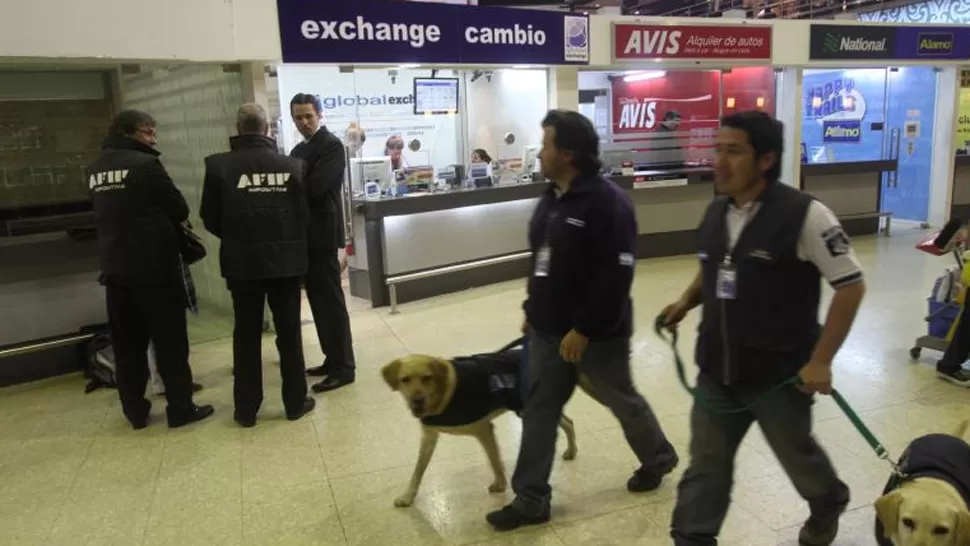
(702, 401)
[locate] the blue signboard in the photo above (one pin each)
(909, 43)
(842, 131)
(375, 31)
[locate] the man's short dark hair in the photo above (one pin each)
(765, 133)
(128, 122)
(576, 134)
(306, 98)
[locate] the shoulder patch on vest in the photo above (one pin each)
(836, 241)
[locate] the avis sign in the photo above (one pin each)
(635, 42)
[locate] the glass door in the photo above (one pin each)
(910, 114)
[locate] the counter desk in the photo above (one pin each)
(853, 190)
(960, 199)
(443, 242)
(49, 286)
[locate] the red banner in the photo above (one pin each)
(640, 42)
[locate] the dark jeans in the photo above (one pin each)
(785, 419)
(329, 307)
(248, 301)
(138, 314)
(958, 350)
(607, 365)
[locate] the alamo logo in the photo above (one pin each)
(263, 182)
(107, 180)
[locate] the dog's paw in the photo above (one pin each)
(570, 454)
(404, 500)
(497, 487)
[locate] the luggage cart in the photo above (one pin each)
(952, 239)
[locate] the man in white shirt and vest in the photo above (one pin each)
(763, 248)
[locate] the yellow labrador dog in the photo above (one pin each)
(929, 505)
(462, 397)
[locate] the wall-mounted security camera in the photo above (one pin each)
(392, 73)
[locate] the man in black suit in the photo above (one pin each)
(326, 162)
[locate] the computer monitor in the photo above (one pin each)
(369, 169)
(529, 159)
(479, 170)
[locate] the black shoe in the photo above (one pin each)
(332, 383)
(139, 424)
(244, 422)
(508, 519)
(318, 371)
(308, 406)
(197, 413)
(644, 480)
(818, 531)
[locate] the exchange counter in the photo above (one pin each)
(853, 191)
(437, 243)
(960, 201)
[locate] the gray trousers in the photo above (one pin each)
(607, 365)
(785, 418)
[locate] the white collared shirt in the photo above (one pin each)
(822, 241)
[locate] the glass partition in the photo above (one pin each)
(666, 119)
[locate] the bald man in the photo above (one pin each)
(254, 200)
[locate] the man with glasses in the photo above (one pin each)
(139, 212)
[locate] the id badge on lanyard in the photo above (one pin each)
(544, 254)
(727, 280)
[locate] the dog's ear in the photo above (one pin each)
(962, 533)
(390, 372)
(439, 370)
(887, 510)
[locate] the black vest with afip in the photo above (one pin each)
(768, 332)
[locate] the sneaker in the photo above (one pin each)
(509, 519)
(957, 377)
(645, 480)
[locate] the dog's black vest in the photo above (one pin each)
(484, 383)
(939, 456)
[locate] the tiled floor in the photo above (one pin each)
(72, 472)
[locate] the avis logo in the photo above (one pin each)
(662, 42)
(638, 115)
(263, 182)
(842, 131)
(107, 180)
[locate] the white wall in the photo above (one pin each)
(64, 85)
(515, 101)
(439, 135)
(594, 80)
(174, 30)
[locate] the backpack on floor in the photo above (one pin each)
(100, 370)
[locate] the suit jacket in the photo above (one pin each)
(326, 163)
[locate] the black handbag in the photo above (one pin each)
(190, 246)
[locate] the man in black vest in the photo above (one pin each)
(579, 317)
(255, 202)
(763, 249)
(139, 211)
(326, 162)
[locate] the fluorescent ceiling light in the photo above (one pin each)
(523, 66)
(642, 75)
(409, 65)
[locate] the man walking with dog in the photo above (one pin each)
(763, 249)
(579, 317)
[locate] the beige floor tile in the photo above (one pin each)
(73, 472)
